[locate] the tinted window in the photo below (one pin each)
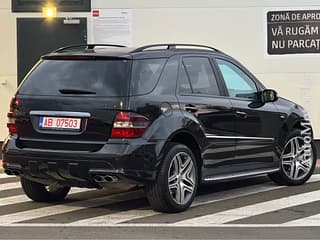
(145, 75)
(237, 82)
(200, 75)
(102, 77)
(184, 86)
(168, 80)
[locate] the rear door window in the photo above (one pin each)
(145, 75)
(197, 77)
(97, 77)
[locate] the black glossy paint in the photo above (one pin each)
(224, 141)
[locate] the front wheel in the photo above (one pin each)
(177, 181)
(42, 193)
(298, 161)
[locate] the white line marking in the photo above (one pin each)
(10, 219)
(7, 201)
(115, 218)
(138, 213)
(3, 175)
(242, 191)
(233, 193)
(254, 209)
(119, 217)
(7, 186)
(68, 207)
(167, 225)
(308, 221)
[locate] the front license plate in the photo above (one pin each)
(59, 123)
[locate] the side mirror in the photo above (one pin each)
(269, 95)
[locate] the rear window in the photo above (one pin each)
(97, 77)
(145, 75)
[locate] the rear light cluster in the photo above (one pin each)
(129, 125)
(12, 116)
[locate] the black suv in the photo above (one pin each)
(167, 116)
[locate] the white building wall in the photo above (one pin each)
(236, 27)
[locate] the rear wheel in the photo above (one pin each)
(42, 193)
(177, 181)
(298, 161)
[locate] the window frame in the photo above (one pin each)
(166, 60)
(36, 6)
(214, 71)
(258, 85)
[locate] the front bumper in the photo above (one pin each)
(132, 161)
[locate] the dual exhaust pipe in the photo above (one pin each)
(13, 172)
(105, 179)
(97, 178)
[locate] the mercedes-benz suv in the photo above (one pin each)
(168, 117)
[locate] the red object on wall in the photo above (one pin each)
(95, 13)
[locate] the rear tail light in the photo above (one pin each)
(129, 125)
(11, 124)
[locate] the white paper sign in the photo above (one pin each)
(112, 26)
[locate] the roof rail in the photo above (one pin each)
(174, 46)
(85, 46)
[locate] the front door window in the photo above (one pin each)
(238, 83)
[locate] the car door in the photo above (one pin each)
(199, 94)
(257, 125)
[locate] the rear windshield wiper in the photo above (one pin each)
(75, 91)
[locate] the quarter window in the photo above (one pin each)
(145, 75)
(237, 82)
(197, 77)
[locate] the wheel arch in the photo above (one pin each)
(187, 138)
(294, 122)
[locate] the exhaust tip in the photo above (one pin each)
(9, 172)
(110, 178)
(105, 178)
(15, 172)
(98, 178)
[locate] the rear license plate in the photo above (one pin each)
(59, 123)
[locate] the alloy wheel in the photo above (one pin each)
(181, 178)
(296, 159)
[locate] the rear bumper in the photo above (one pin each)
(133, 161)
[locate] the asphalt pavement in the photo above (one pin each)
(160, 233)
(253, 208)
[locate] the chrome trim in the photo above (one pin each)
(237, 137)
(61, 113)
(239, 175)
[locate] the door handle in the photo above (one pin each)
(241, 114)
(191, 108)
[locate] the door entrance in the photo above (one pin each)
(38, 36)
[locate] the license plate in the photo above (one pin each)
(60, 123)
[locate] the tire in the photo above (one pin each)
(285, 176)
(179, 166)
(40, 193)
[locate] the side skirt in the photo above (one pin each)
(223, 177)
